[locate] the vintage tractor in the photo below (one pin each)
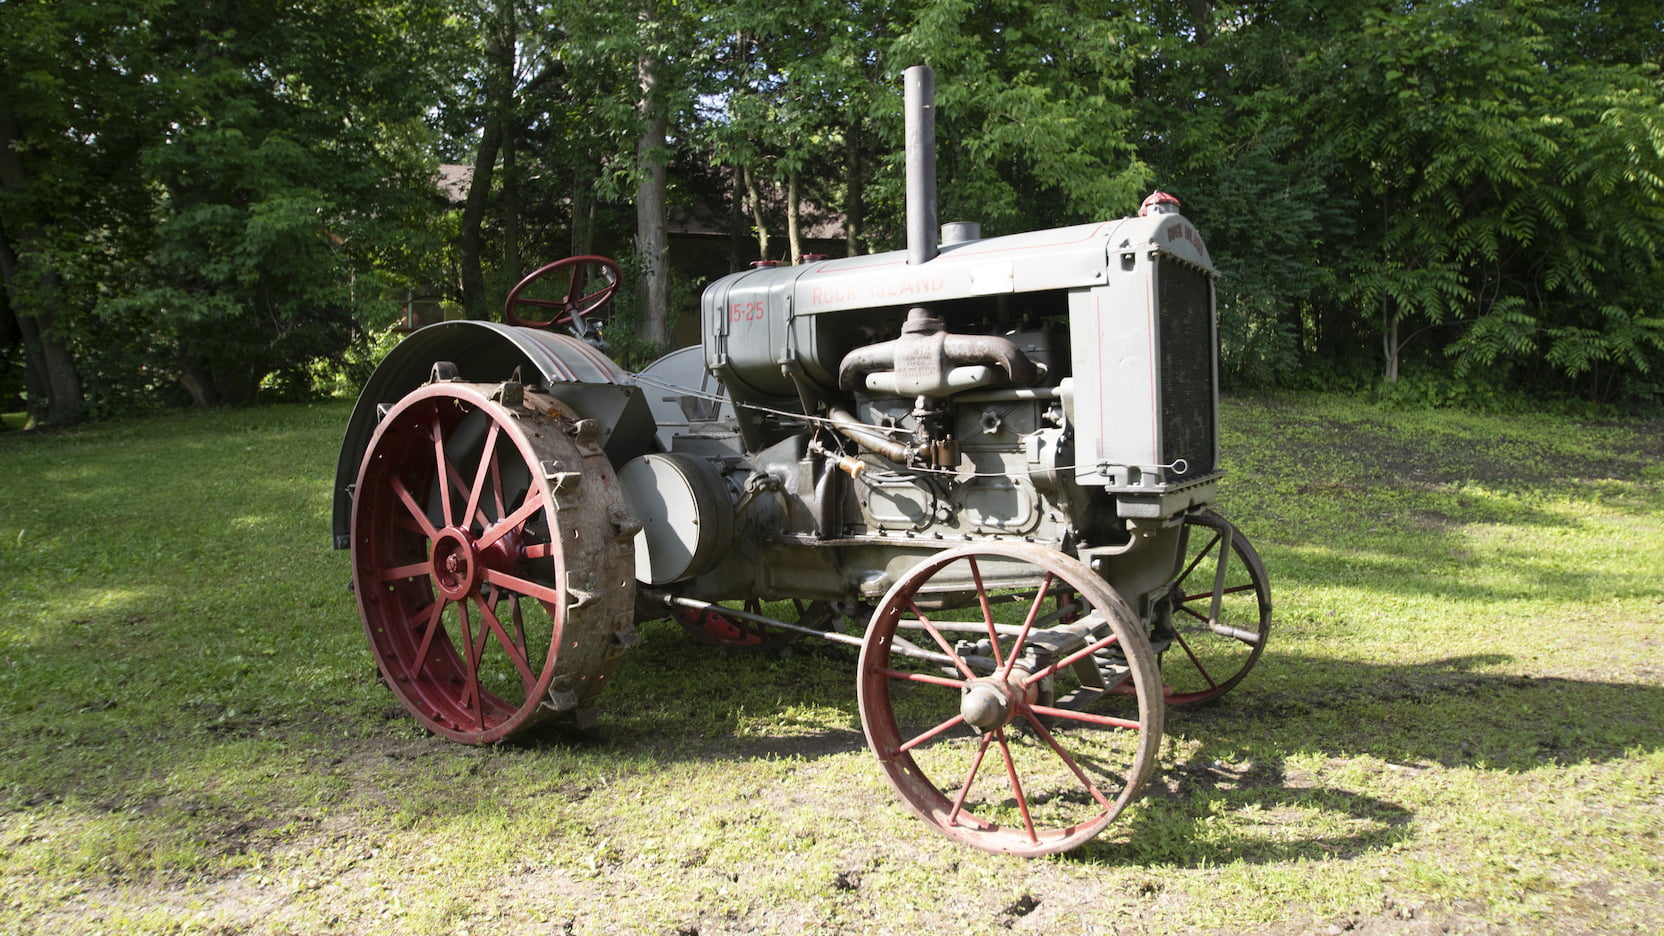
(986, 463)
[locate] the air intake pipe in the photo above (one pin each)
(920, 99)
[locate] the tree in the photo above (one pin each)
(68, 145)
(1519, 192)
(1469, 184)
(652, 243)
(204, 192)
(628, 78)
(1036, 125)
(501, 37)
(293, 165)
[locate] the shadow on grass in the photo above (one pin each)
(1277, 815)
(1447, 714)
(1451, 714)
(1237, 757)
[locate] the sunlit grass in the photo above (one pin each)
(1458, 722)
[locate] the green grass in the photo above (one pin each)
(1458, 722)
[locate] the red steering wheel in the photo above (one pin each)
(571, 308)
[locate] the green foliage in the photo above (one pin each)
(1521, 175)
(261, 194)
(626, 339)
(227, 194)
(1477, 185)
(271, 176)
(1034, 129)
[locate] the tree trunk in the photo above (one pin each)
(1389, 311)
(651, 237)
(854, 189)
(510, 118)
(1389, 337)
(35, 295)
(499, 92)
(511, 209)
(49, 375)
(737, 239)
(583, 208)
(196, 381)
(757, 221)
(793, 237)
(1201, 19)
(469, 238)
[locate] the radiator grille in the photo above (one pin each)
(1186, 380)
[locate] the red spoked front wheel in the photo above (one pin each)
(1220, 612)
(978, 691)
(493, 576)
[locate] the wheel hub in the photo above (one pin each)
(456, 566)
(991, 702)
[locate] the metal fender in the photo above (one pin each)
(487, 352)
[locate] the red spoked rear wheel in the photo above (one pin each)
(978, 688)
(493, 591)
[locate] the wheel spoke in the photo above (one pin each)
(570, 301)
(471, 673)
(1070, 660)
(443, 466)
(965, 788)
(1185, 646)
(942, 642)
(543, 303)
(413, 570)
(527, 587)
(456, 480)
(514, 521)
(1016, 785)
(944, 726)
(416, 512)
(987, 611)
(1022, 636)
(1194, 613)
(488, 460)
(497, 486)
(1208, 595)
(1200, 555)
(519, 619)
(435, 624)
(924, 678)
(1088, 717)
(516, 650)
(1085, 781)
(1223, 591)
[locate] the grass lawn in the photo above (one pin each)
(1458, 724)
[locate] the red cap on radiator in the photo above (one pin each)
(1158, 203)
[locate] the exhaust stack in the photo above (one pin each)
(920, 102)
